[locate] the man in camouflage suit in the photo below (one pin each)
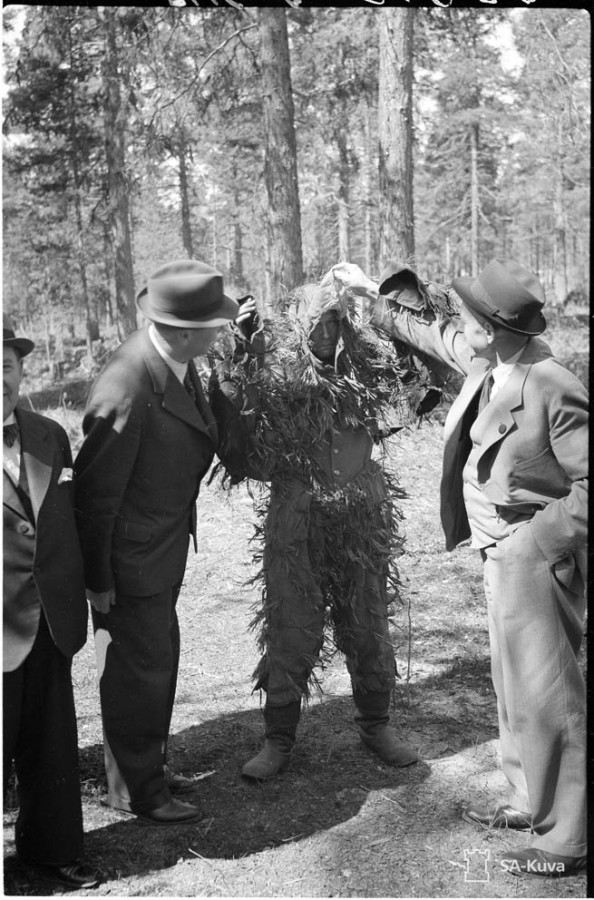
(313, 390)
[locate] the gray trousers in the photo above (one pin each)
(535, 627)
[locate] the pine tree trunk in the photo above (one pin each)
(368, 193)
(474, 200)
(107, 267)
(119, 214)
(395, 135)
(90, 326)
(285, 259)
(184, 197)
(560, 249)
(344, 242)
(237, 236)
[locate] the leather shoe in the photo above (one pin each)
(503, 816)
(532, 861)
(174, 812)
(178, 784)
(77, 874)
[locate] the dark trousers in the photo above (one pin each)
(137, 647)
(40, 735)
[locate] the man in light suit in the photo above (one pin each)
(44, 625)
(150, 437)
(514, 479)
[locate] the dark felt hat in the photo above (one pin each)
(186, 293)
(402, 284)
(506, 294)
(22, 345)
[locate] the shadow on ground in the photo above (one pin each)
(330, 778)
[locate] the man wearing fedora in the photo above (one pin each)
(150, 437)
(44, 625)
(515, 472)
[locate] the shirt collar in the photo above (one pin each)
(503, 370)
(179, 369)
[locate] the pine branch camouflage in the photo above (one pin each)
(328, 550)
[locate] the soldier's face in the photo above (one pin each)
(13, 372)
(323, 337)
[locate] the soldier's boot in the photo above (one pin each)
(280, 728)
(372, 719)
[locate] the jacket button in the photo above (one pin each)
(25, 529)
(335, 450)
(336, 471)
(502, 429)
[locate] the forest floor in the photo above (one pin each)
(337, 822)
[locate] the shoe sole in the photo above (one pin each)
(493, 824)
(144, 821)
(394, 765)
(268, 777)
(260, 778)
(87, 886)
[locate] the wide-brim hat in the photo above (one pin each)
(506, 294)
(186, 293)
(21, 344)
(400, 283)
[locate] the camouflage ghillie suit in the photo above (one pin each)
(329, 531)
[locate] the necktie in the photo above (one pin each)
(10, 434)
(201, 405)
(485, 392)
(189, 386)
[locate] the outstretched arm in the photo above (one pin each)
(419, 327)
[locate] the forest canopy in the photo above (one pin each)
(272, 143)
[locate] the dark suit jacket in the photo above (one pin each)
(138, 471)
(42, 557)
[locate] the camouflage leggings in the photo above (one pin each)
(328, 561)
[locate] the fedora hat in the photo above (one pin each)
(398, 282)
(186, 293)
(22, 345)
(506, 294)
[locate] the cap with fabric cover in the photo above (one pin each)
(186, 293)
(402, 284)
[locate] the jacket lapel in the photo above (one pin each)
(176, 399)
(10, 497)
(473, 383)
(37, 458)
(202, 403)
(499, 414)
